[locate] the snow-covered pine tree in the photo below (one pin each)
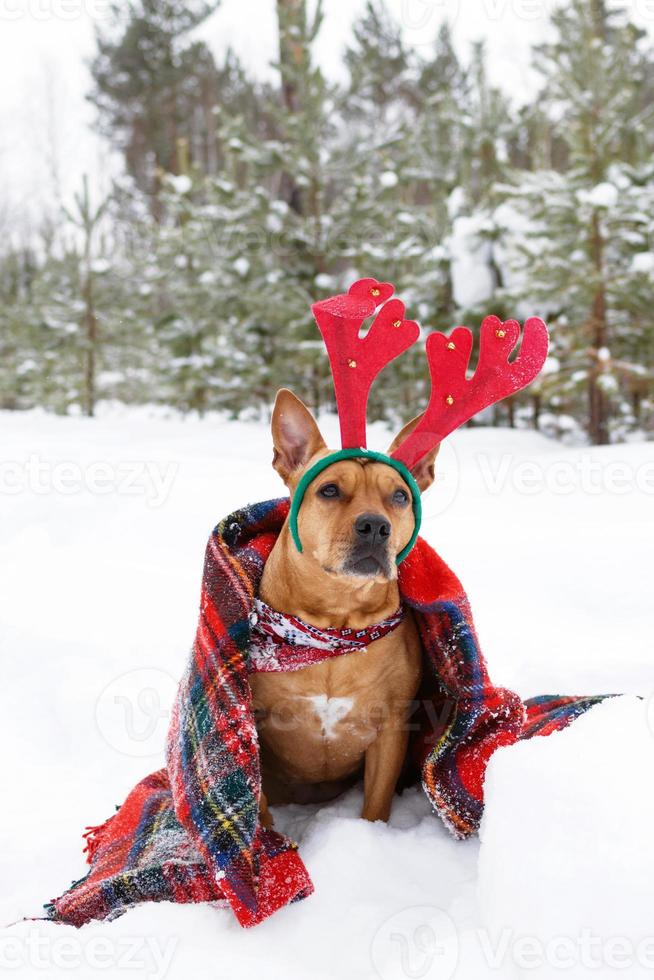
(269, 195)
(208, 283)
(488, 131)
(19, 387)
(391, 212)
(589, 223)
(464, 133)
(156, 88)
(74, 316)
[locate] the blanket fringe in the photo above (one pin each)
(94, 837)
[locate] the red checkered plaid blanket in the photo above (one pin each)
(191, 832)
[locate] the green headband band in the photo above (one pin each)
(322, 464)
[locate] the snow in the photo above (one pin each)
(274, 224)
(643, 262)
(242, 266)
(594, 863)
(603, 195)
(100, 265)
(101, 551)
(388, 178)
(608, 383)
(552, 365)
(472, 280)
(180, 183)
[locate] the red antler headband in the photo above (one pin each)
(356, 361)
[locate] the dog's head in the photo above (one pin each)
(356, 516)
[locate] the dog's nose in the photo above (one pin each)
(372, 528)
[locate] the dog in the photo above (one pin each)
(323, 725)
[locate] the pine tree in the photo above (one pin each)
(379, 65)
(489, 128)
(391, 213)
(18, 365)
(67, 335)
(86, 219)
(268, 196)
(156, 90)
(443, 91)
(588, 221)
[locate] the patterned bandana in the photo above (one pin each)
(280, 642)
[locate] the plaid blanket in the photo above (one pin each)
(191, 833)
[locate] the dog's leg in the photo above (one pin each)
(383, 764)
(265, 816)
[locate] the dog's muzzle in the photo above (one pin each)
(369, 553)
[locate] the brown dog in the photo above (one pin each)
(319, 726)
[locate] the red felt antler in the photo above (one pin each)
(356, 361)
(455, 399)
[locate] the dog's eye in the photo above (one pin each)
(330, 490)
(400, 497)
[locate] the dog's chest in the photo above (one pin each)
(318, 721)
(322, 701)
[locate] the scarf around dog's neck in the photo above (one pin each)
(281, 642)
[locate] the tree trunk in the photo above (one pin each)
(598, 13)
(291, 17)
(91, 324)
(292, 22)
(536, 404)
(598, 403)
(636, 404)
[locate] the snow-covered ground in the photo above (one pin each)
(102, 533)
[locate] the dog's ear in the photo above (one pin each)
(296, 437)
(423, 471)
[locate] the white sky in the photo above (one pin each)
(45, 44)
